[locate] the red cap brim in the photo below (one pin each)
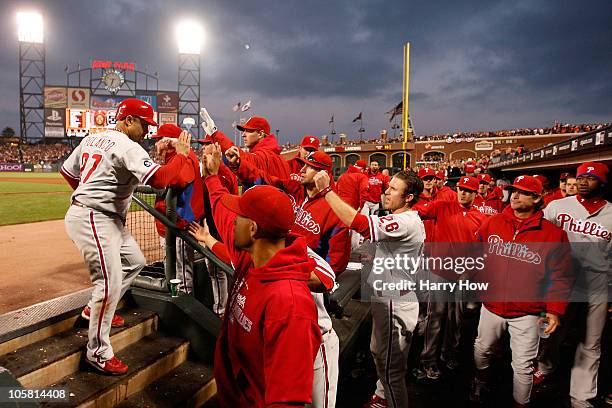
(149, 121)
(465, 186)
(313, 164)
(522, 188)
(232, 203)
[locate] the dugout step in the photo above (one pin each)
(189, 385)
(150, 359)
(48, 360)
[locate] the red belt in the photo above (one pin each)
(78, 203)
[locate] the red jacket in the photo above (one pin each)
(353, 187)
(270, 336)
(429, 224)
(265, 155)
(553, 195)
(378, 185)
(314, 218)
(527, 265)
(446, 194)
(454, 227)
(492, 203)
(190, 200)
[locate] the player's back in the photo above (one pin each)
(109, 166)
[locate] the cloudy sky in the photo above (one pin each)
(475, 65)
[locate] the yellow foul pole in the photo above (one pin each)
(405, 91)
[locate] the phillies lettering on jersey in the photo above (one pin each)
(520, 252)
(304, 219)
(568, 223)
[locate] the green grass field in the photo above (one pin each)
(23, 202)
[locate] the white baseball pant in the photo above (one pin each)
(218, 280)
(326, 368)
(524, 341)
(184, 264)
(114, 259)
(393, 321)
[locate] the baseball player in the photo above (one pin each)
(587, 219)
(104, 170)
(444, 193)
(453, 222)
(190, 201)
(489, 198)
(269, 337)
(314, 220)
(428, 176)
(309, 144)
(378, 184)
(264, 151)
(394, 311)
(571, 186)
(528, 271)
(353, 187)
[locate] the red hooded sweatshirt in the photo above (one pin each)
(270, 335)
(190, 200)
(295, 167)
(492, 203)
(314, 219)
(429, 223)
(353, 187)
(265, 155)
(528, 265)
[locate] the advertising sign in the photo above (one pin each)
(106, 102)
(150, 99)
(78, 98)
(165, 118)
(167, 101)
(55, 97)
(11, 167)
(484, 145)
(55, 120)
(77, 122)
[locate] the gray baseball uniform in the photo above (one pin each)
(394, 311)
(590, 236)
(108, 166)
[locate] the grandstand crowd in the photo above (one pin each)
(40, 154)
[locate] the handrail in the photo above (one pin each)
(192, 242)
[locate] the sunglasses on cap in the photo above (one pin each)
(310, 158)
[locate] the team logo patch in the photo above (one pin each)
(148, 163)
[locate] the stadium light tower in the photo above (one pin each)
(189, 36)
(31, 74)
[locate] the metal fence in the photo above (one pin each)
(141, 225)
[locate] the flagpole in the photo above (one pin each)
(405, 109)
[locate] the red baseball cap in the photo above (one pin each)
(484, 178)
(543, 179)
(206, 139)
(267, 206)
(425, 172)
(440, 175)
(361, 164)
(311, 142)
(596, 169)
(255, 123)
(168, 130)
(526, 183)
(318, 160)
(564, 176)
(468, 182)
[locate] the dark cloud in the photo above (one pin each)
(474, 65)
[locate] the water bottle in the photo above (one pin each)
(543, 325)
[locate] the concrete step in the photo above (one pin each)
(50, 359)
(150, 359)
(189, 385)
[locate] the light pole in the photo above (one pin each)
(31, 75)
(189, 36)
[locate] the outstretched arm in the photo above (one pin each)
(344, 211)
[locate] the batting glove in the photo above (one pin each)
(207, 123)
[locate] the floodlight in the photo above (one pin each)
(189, 36)
(30, 27)
(188, 123)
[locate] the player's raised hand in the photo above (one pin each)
(321, 180)
(198, 231)
(208, 124)
(233, 156)
(213, 160)
(183, 144)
